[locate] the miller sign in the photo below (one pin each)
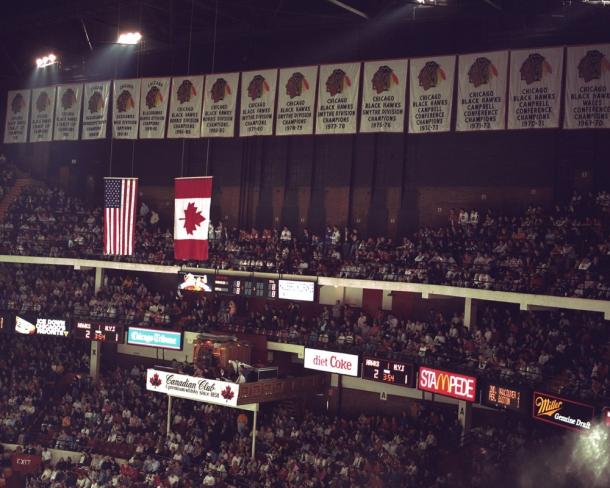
(447, 383)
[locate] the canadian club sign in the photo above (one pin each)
(446, 383)
(561, 412)
(192, 387)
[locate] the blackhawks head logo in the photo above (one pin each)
(430, 75)
(68, 99)
(337, 82)
(534, 68)
(296, 85)
(383, 79)
(481, 72)
(593, 65)
(17, 103)
(257, 86)
(186, 91)
(125, 102)
(220, 89)
(43, 101)
(154, 98)
(95, 103)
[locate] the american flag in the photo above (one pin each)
(119, 215)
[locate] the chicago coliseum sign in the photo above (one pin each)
(446, 383)
(331, 362)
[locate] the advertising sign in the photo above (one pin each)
(446, 383)
(297, 290)
(192, 387)
(561, 412)
(162, 339)
(388, 371)
(331, 362)
(43, 326)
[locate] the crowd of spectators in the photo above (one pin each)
(8, 175)
(564, 251)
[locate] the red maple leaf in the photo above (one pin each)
(192, 218)
(155, 380)
(227, 393)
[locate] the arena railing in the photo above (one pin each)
(526, 301)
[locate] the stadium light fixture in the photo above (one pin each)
(129, 38)
(47, 60)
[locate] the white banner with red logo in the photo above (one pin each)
(383, 96)
(482, 84)
(257, 102)
(67, 112)
(95, 110)
(17, 116)
(446, 383)
(192, 217)
(296, 101)
(154, 95)
(337, 110)
(185, 108)
(331, 362)
(587, 104)
(219, 105)
(43, 108)
(535, 88)
(125, 109)
(431, 94)
(192, 387)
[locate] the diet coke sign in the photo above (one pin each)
(331, 362)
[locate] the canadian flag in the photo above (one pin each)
(192, 218)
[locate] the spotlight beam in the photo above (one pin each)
(82, 22)
(493, 4)
(349, 8)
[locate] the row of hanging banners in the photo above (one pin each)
(495, 90)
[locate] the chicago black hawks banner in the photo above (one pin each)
(43, 107)
(154, 94)
(95, 110)
(296, 99)
(383, 96)
(431, 94)
(257, 102)
(185, 107)
(219, 105)
(535, 88)
(588, 87)
(67, 112)
(125, 109)
(17, 116)
(338, 86)
(482, 91)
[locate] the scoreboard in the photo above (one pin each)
(388, 371)
(99, 332)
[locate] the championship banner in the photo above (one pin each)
(17, 116)
(588, 87)
(192, 387)
(431, 94)
(193, 197)
(482, 91)
(43, 107)
(219, 105)
(67, 112)
(535, 88)
(383, 96)
(185, 108)
(296, 101)
(95, 110)
(125, 110)
(257, 102)
(154, 94)
(338, 86)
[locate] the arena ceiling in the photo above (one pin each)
(74, 28)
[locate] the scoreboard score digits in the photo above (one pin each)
(388, 371)
(100, 332)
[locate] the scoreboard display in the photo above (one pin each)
(388, 371)
(99, 332)
(245, 286)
